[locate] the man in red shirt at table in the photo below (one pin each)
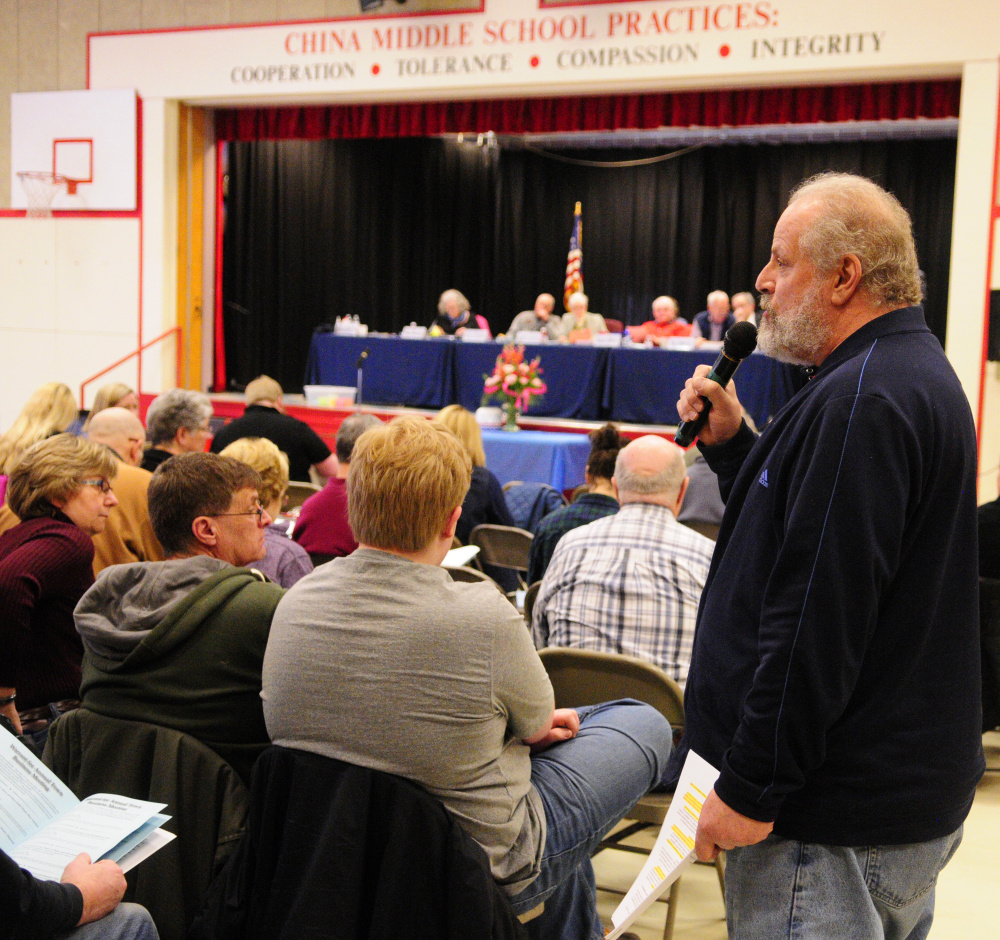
(665, 323)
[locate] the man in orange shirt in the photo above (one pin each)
(665, 323)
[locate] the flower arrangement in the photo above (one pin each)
(514, 382)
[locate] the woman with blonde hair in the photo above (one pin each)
(60, 488)
(485, 502)
(51, 409)
(114, 395)
(284, 561)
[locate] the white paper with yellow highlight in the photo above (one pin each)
(674, 849)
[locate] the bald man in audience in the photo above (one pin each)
(128, 534)
(631, 582)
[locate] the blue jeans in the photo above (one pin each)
(125, 922)
(586, 786)
(792, 890)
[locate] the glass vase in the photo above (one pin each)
(511, 412)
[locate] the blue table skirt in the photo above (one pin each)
(552, 457)
(415, 373)
(631, 385)
(575, 376)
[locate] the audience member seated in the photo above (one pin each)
(322, 527)
(630, 583)
(128, 534)
(710, 325)
(115, 395)
(485, 502)
(461, 693)
(578, 324)
(265, 417)
(600, 501)
(60, 488)
(83, 906)
(989, 539)
(284, 562)
(665, 323)
(703, 501)
(180, 642)
(745, 307)
(538, 320)
(50, 410)
(177, 422)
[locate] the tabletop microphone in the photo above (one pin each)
(361, 359)
(740, 340)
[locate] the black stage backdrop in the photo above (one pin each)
(378, 228)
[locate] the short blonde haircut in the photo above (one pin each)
(405, 480)
(263, 455)
(54, 469)
(263, 388)
(463, 425)
(50, 410)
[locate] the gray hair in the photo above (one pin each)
(348, 433)
(463, 303)
(666, 481)
(859, 217)
(176, 409)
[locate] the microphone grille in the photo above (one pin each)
(740, 340)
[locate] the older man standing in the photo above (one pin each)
(710, 325)
(538, 320)
(835, 675)
(631, 582)
(128, 534)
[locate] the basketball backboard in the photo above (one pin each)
(85, 136)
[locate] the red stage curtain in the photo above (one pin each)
(732, 108)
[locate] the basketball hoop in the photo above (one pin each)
(41, 188)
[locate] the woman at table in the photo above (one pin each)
(454, 313)
(485, 502)
(60, 489)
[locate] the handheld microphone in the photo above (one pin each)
(740, 340)
(361, 359)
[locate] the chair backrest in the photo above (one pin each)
(471, 575)
(614, 326)
(502, 546)
(206, 799)
(588, 677)
(298, 492)
(529, 601)
(709, 529)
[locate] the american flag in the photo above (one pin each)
(574, 260)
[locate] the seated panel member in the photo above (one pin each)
(631, 582)
(711, 325)
(745, 307)
(539, 319)
(381, 660)
(454, 313)
(578, 324)
(665, 323)
(180, 642)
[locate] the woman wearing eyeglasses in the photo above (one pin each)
(60, 490)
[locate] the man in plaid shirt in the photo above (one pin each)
(630, 583)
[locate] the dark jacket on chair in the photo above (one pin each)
(205, 798)
(343, 852)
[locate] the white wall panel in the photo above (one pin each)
(98, 282)
(28, 356)
(27, 274)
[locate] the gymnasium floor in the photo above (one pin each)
(966, 893)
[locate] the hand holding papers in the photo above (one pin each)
(674, 849)
(43, 826)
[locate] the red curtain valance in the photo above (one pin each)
(733, 108)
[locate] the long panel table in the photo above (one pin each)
(632, 385)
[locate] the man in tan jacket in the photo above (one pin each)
(128, 535)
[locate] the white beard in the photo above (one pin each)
(796, 334)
